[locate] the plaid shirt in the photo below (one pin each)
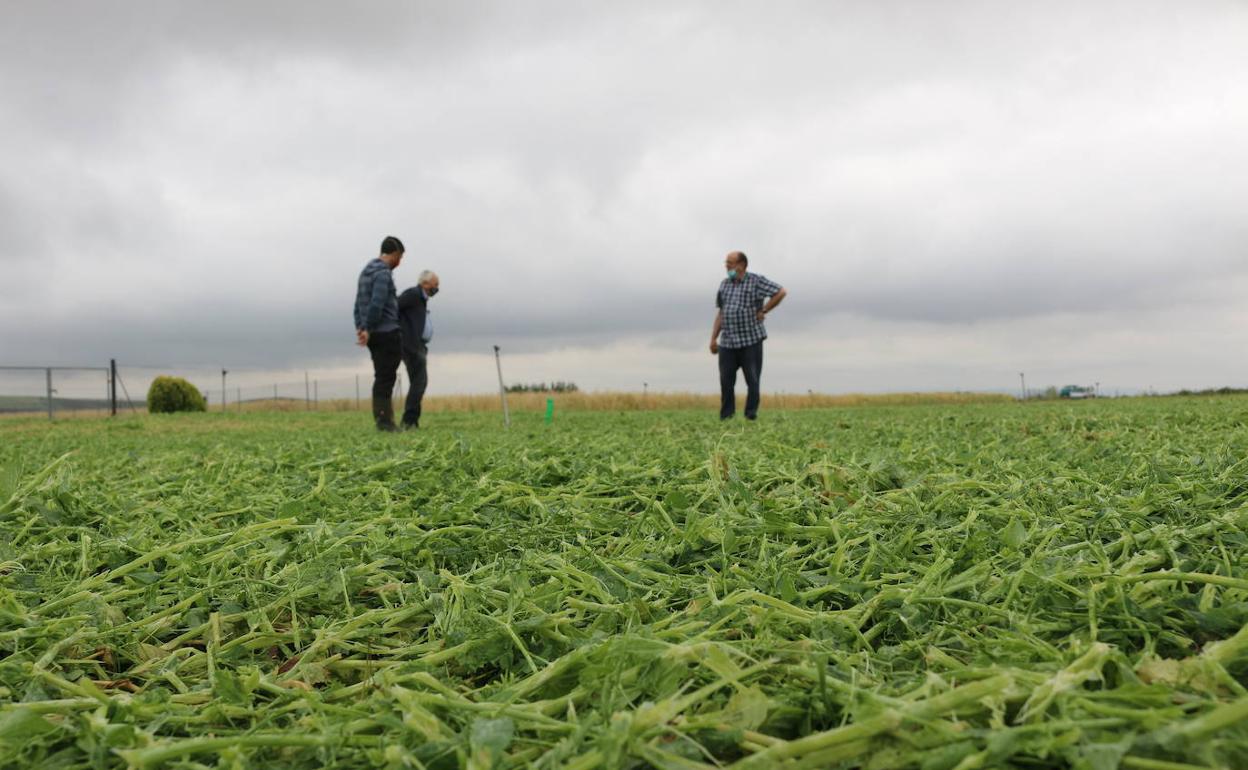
(740, 301)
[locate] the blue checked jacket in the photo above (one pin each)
(376, 300)
(740, 301)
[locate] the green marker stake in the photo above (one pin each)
(550, 410)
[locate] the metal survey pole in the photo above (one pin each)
(502, 389)
(50, 392)
(112, 385)
(223, 373)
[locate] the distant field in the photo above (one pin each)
(519, 402)
(628, 402)
(40, 404)
(933, 587)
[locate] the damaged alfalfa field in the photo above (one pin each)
(939, 587)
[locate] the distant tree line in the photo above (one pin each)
(544, 387)
(1212, 392)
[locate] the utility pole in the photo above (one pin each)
(502, 389)
(223, 373)
(1023, 380)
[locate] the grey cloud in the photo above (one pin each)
(220, 171)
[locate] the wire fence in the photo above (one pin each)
(52, 389)
(117, 388)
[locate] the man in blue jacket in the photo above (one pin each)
(417, 330)
(377, 327)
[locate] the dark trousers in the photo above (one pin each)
(416, 359)
(750, 361)
(387, 350)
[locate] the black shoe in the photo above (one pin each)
(383, 415)
(751, 417)
(411, 426)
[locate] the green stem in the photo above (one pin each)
(1191, 577)
(155, 755)
(869, 728)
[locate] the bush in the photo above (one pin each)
(542, 387)
(174, 394)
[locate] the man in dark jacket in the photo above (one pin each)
(377, 326)
(417, 330)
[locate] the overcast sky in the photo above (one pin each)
(952, 192)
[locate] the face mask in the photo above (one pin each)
(732, 275)
(432, 292)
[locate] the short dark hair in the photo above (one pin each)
(390, 245)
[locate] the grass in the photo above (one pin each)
(939, 586)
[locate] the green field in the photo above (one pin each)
(1018, 586)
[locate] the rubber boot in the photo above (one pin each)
(383, 414)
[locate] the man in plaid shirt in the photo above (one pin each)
(744, 299)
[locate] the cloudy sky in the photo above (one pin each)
(952, 192)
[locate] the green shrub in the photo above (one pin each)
(174, 394)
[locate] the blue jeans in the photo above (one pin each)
(750, 361)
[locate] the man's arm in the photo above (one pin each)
(775, 300)
(361, 334)
(376, 304)
(715, 328)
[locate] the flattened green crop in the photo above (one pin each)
(939, 588)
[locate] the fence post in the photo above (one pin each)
(502, 389)
(49, 373)
(316, 394)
